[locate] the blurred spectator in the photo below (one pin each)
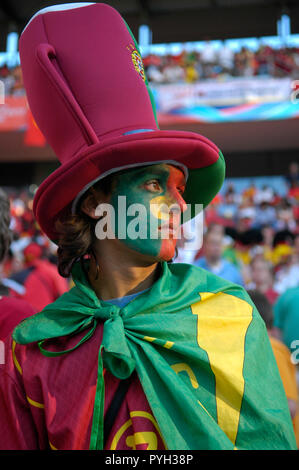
(213, 260)
(7, 79)
(228, 210)
(249, 194)
(293, 193)
(153, 67)
(268, 232)
(284, 63)
(285, 216)
(293, 174)
(264, 194)
(229, 207)
(40, 279)
(17, 87)
(287, 276)
(285, 261)
(245, 218)
(286, 317)
(198, 66)
(182, 254)
(265, 215)
(262, 278)
(172, 71)
(226, 59)
(212, 212)
(12, 310)
(296, 249)
(282, 355)
(208, 59)
(248, 245)
(231, 196)
(244, 63)
(264, 61)
(282, 249)
(191, 73)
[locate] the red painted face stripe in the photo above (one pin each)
(176, 181)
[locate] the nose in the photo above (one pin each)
(178, 200)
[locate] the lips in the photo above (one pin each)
(170, 229)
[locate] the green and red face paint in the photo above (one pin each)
(157, 190)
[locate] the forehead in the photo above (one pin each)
(214, 237)
(160, 169)
(259, 264)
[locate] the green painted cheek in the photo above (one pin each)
(135, 225)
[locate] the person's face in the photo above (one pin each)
(213, 246)
(154, 203)
(268, 234)
(294, 168)
(260, 272)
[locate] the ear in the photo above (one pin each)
(91, 202)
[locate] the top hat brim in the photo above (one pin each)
(205, 164)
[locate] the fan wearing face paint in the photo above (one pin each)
(156, 194)
(141, 353)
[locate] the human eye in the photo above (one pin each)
(181, 189)
(153, 185)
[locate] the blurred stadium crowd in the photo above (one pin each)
(190, 67)
(12, 79)
(252, 237)
(216, 64)
(29, 270)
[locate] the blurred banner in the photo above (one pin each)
(239, 99)
(13, 113)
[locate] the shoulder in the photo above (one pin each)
(206, 281)
(288, 298)
(292, 293)
(223, 307)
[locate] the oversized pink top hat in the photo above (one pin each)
(89, 95)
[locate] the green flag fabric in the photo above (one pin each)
(201, 352)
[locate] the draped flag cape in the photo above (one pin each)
(201, 352)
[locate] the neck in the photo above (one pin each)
(119, 274)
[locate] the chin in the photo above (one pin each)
(153, 253)
(167, 251)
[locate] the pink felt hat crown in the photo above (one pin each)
(89, 95)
